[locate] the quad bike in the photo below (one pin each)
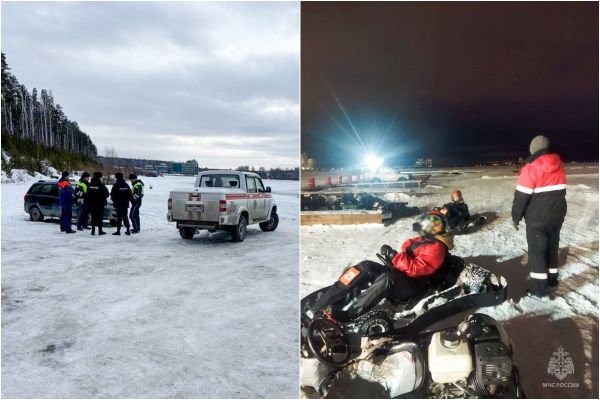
(473, 359)
(330, 344)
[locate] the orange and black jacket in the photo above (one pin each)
(65, 193)
(541, 190)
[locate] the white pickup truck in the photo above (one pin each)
(223, 200)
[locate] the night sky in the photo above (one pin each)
(457, 82)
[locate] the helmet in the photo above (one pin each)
(432, 222)
(456, 196)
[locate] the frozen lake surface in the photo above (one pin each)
(150, 315)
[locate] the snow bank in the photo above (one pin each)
(21, 176)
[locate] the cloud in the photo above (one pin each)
(218, 82)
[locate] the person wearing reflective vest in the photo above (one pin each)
(65, 201)
(81, 192)
(137, 191)
(540, 198)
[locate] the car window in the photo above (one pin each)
(48, 189)
(251, 184)
(220, 180)
(259, 185)
(35, 189)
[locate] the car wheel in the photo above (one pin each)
(36, 214)
(376, 180)
(270, 225)
(187, 233)
(238, 233)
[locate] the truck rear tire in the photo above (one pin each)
(270, 225)
(36, 214)
(187, 233)
(238, 232)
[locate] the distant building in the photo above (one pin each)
(190, 167)
(177, 168)
(307, 163)
(162, 168)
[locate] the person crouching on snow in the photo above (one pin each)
(457, 212)
(413, 264)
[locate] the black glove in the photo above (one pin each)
(388, 252)
(516, 225)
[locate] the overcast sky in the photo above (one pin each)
(171, 81)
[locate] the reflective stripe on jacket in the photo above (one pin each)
(540, 195)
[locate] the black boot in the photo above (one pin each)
(128, 232)
(117, 233)
(101, 232)
(93, 230)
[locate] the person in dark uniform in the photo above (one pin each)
(137, 190)
(121, 196)
(96, 198)
(540, 197)
(457, 212)
(81, 191)
(65, 201)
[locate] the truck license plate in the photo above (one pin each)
(194, 208)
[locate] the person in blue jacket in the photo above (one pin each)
(137, 189)
(65, 201)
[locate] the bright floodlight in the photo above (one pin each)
(373, 162)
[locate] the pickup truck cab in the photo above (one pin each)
(223, 200)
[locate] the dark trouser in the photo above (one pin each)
(542, 242)
(66, 214)
(97, 216)
(385, 283)
(134, 215)
(84, 216)
(122, 217)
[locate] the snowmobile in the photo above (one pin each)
(454, 288)
(473, 359)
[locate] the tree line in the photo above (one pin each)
(33, 116)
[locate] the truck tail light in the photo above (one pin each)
(222, 206)
(170, 204)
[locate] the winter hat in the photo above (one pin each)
(132, 176)
(97, 175)
(119, 175)
(85, 175)
(538, 143)
(65, 174)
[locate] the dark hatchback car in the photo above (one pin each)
(41, 201)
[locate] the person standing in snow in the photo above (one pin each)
(137, 191)
(540, 197)
(121, 196)
(81, 190)
(416, 261)
(96, 198)
(65, 201)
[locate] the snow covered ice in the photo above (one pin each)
(150, 315)
(537, 328)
